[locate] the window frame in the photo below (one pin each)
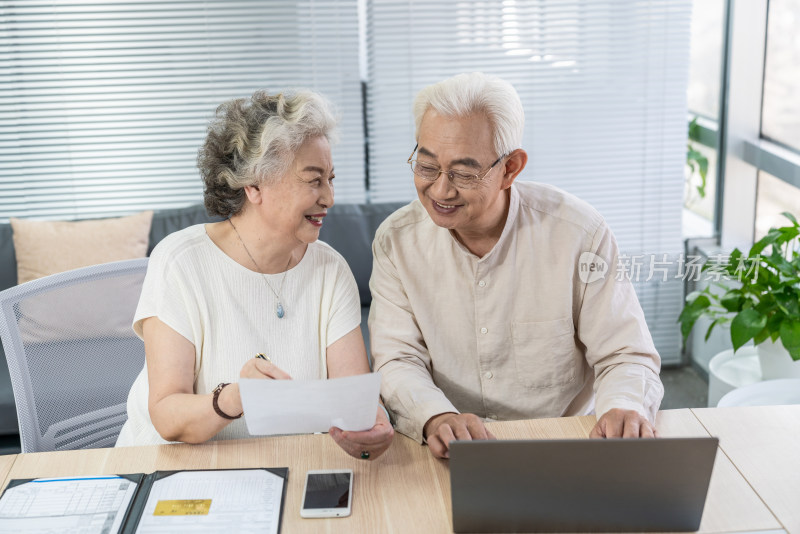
(742, 150)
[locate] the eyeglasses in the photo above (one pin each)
(460, 179)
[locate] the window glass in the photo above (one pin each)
(698, 214)
(781, 105)
(705, 60)
(774, 197)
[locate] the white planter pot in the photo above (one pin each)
(728, 371)
(776, 362)
(767, 393)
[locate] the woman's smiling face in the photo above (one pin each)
(298, 201)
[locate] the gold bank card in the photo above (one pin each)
(185, 507)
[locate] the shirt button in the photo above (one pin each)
(484, 330)
(488, 374)
(482, 283)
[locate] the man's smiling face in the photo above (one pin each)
(465, 144)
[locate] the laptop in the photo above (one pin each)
(608, 485)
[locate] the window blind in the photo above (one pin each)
(103, 104)
(603, 84)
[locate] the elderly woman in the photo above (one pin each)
(258, 282)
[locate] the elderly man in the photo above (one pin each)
(480, 310)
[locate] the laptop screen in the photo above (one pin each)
(610, 485)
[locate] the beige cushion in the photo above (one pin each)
(49, 247)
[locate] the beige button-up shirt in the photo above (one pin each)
(515, 334)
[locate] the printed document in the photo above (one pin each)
(306, 406)
(234, 500)
(79, 505)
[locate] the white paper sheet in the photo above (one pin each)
(79, 505)
(246, 500)
(305, 406)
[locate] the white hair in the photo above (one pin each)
(476, 92)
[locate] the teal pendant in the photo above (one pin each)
(279, 310)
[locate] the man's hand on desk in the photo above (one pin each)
(619, 423)
(441, 429)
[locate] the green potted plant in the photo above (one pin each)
(758, 297)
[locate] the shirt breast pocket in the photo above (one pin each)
(545, 354)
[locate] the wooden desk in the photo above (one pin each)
(406, 490)
(764, 444)
(6, 462)
(397, 491)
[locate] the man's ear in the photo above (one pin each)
(255, 194)
(514, 164)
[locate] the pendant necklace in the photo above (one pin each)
(279, 311)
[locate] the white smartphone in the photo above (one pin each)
(327, 493)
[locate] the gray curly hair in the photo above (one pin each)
(253, 140)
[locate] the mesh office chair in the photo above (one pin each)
(72, 354)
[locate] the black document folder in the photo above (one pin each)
(177, 500)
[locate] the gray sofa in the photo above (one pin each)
(349, 228)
